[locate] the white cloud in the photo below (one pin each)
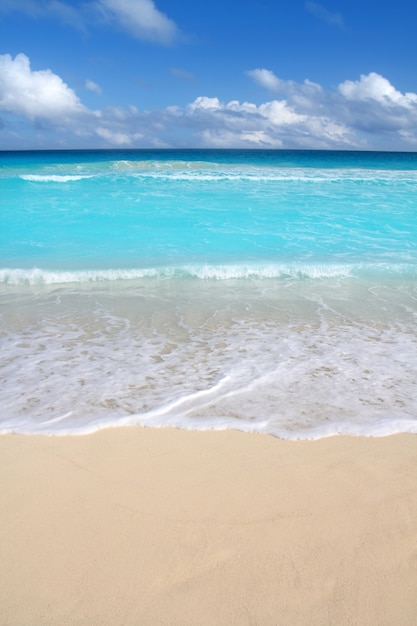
(92, 86)
(370, 107)
(279, 113)
(368, 113)
(265, 78)
(141, 18)
(376, 87)
(114, 138)
(35, 94)
(373, 106)
(305, 96)
(272, 124)
(214, 138)
(335, 19)
(203, 102)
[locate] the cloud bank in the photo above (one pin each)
(367, 113)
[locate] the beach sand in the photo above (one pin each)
(160, 526)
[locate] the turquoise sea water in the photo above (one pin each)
(270, 291)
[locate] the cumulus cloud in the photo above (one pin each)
(368, 113)
(335, 19)
(374, 87)
(141, 18)
(35, 94)
(373, 105)
(370, 107)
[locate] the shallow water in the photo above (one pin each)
(264, 291)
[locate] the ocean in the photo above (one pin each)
(264, 291)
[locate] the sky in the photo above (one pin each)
(271, 74)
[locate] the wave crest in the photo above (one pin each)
(53, 178)
(38, 276)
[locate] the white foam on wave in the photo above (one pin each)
(212, 172)
(229, 272)
(37, 276)
(53, 178)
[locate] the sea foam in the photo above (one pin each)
(52, 178)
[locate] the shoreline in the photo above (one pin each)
(147, 526)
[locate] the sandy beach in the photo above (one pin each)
(160, 526)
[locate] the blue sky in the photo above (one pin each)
(224, 73)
